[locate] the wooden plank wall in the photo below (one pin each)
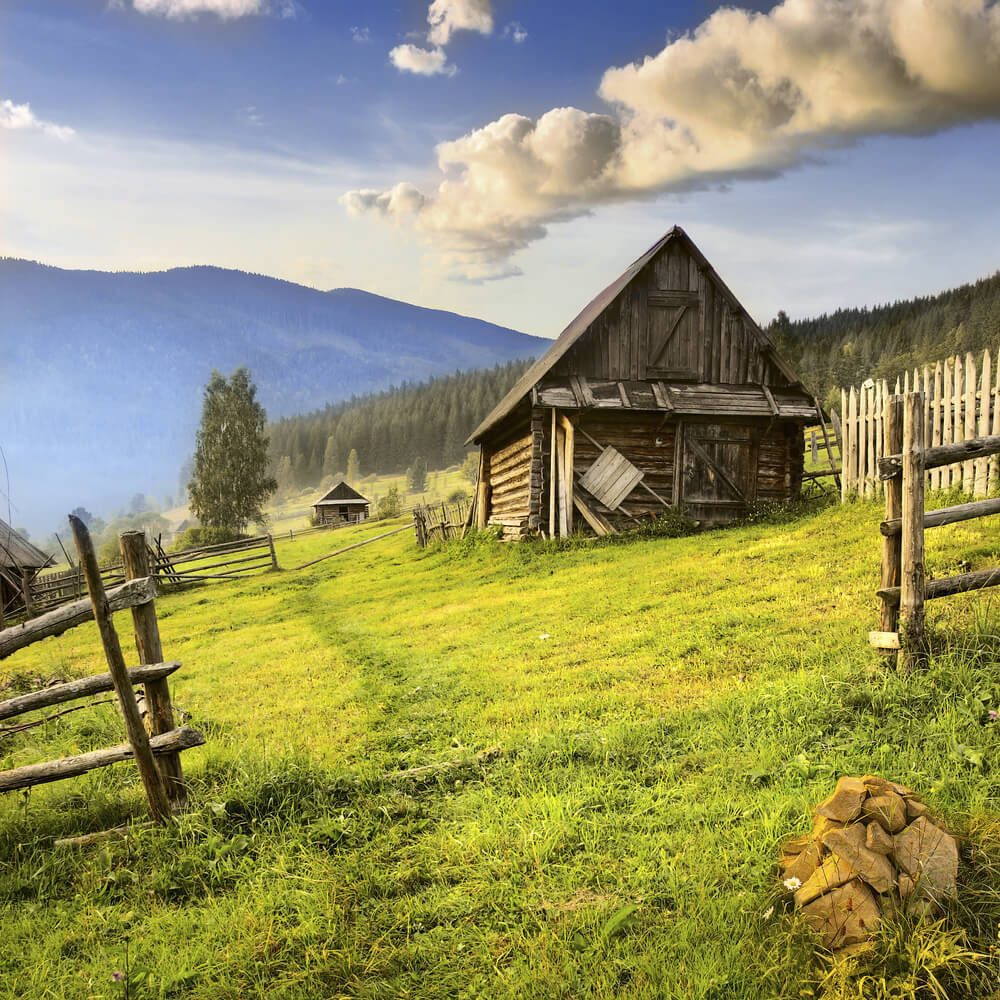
(639, 437)
(713, 332)
(961, 400)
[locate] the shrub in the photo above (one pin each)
(390, 505)
(203, 535)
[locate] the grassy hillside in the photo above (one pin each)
(667, 710)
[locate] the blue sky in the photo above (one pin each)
(142, 134)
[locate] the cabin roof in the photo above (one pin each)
(340, 495)
(579, 326)
(17, 552)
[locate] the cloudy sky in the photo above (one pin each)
(507, 158)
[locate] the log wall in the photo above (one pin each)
(508, 462)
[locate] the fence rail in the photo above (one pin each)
(960, 401)
(206, 562)
(161, 776)
(904, 589)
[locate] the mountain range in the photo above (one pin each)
(101, 373)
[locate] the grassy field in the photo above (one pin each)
(292, 512)
(667, 710)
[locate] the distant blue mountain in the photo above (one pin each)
(101, 373)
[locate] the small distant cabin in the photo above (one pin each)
(663, 392)
(342, 505)
(19, 560)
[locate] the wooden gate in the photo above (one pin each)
(718, 470)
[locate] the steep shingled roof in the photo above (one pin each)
(579, 326)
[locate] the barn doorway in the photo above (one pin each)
(719, 470)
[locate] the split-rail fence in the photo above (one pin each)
(904, 469)
(156, 751)
(195, 565)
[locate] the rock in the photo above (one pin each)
(877, 840)
(889, 809)
(930, 856)
(844, 804)
(915, 809)
(849, 844)
(832, 873)
(804, 864)
(906, 885)
(845, 916)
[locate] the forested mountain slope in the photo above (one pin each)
(849, 345)
(389, 430)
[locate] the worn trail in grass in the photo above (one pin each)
(668, 709)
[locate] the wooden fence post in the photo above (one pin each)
(982, 465)
(968, 468)
(911, 602)
(889, 610)
(274, 558)
(843, 440)
(153, 783)
(135, 560)
(27, 577)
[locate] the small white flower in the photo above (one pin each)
(791, 884)
(545, 635)
(768, 913)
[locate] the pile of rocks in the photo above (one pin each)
(873, 851)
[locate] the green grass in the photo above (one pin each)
(668, 710)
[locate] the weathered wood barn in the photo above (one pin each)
(342, 505)
(19, 560)
(662, 392)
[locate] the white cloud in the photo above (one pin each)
(744, 95)
(425, 62)
(225, 9)
(361, 34)
(20, 117)
(516, 32)
(445, 17)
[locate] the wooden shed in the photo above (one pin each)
(342, 505)
(19, 561)
(662, 392)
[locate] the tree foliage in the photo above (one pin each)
(353, 466)
(389, 429)
(416, 476)
(845, 347)
(391, 504)
(230, 482)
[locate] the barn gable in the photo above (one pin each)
(669, 317)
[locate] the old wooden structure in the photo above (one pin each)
(19, 562)
(662, 392)
(342, 505)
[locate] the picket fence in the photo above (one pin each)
(960, 400)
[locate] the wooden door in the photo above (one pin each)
(719, 470)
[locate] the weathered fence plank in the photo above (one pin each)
(70, 615)
(156, 793)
